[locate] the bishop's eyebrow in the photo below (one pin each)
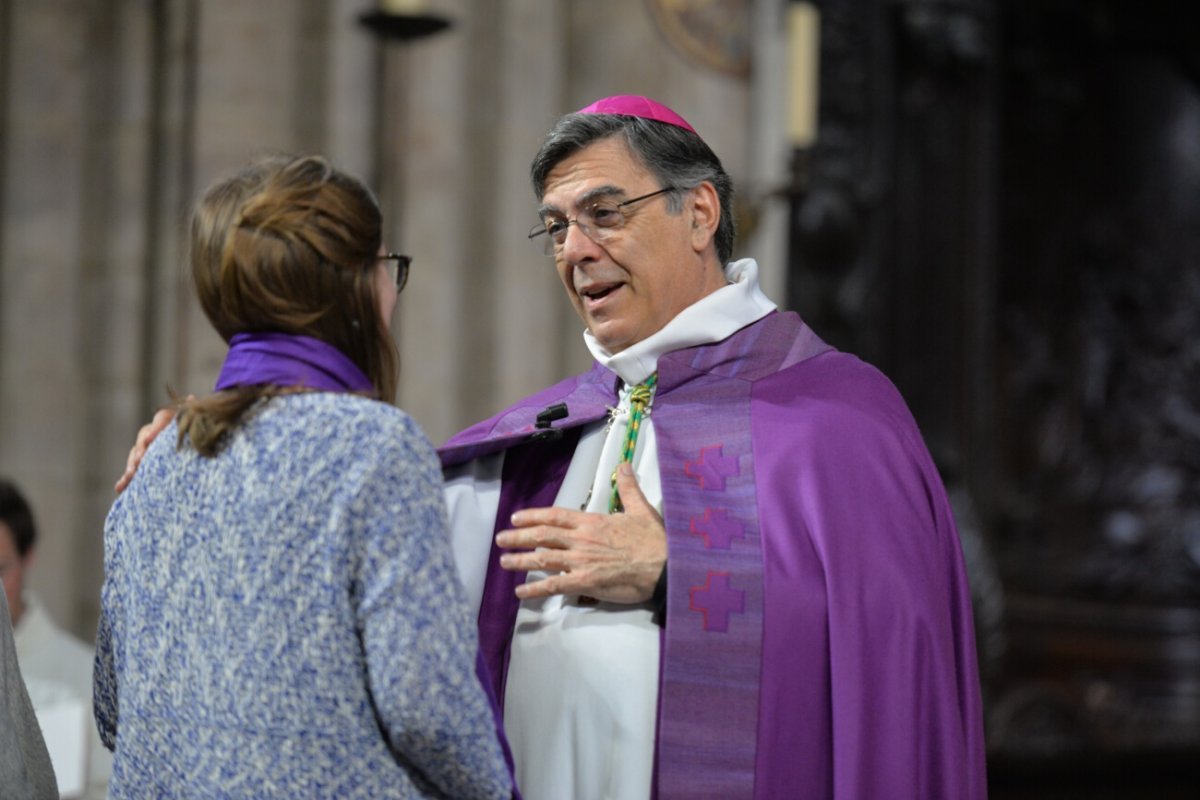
(590, 196)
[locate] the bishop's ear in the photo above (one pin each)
(706, 214)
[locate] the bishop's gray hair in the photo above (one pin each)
(675, 156)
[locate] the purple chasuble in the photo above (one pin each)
(819, 638)
(285, 359)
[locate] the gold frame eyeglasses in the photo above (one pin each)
(598, 221)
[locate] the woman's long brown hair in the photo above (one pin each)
(288, 245)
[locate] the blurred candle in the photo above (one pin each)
(403, 6)
(804, 49)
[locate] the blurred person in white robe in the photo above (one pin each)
(56, 666)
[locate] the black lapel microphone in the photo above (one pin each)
(544, 423)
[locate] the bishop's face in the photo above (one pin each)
(643, 274)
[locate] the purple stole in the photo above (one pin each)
(712, 644)
(712, 648)
(285, 359)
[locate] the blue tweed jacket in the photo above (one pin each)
(284, 620)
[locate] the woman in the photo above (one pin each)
(280, 614)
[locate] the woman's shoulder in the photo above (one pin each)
(348, 419)
(338, 406)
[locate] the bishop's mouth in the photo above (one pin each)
(594, 294)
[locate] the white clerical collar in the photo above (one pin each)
(710, 319)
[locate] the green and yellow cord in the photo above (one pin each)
(639, 404)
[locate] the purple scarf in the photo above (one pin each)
(285, 359)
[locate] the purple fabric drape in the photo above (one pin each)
(819, 637)
(289, 360)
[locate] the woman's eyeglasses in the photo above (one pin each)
(397, 267)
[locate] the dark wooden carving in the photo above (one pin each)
(1003, 212)
(1099, 522)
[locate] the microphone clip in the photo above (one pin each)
(545, 420)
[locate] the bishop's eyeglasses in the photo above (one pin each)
(599, 220)
(397, 266)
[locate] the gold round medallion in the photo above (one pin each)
(715, 33)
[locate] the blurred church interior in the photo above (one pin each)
(994, 201)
